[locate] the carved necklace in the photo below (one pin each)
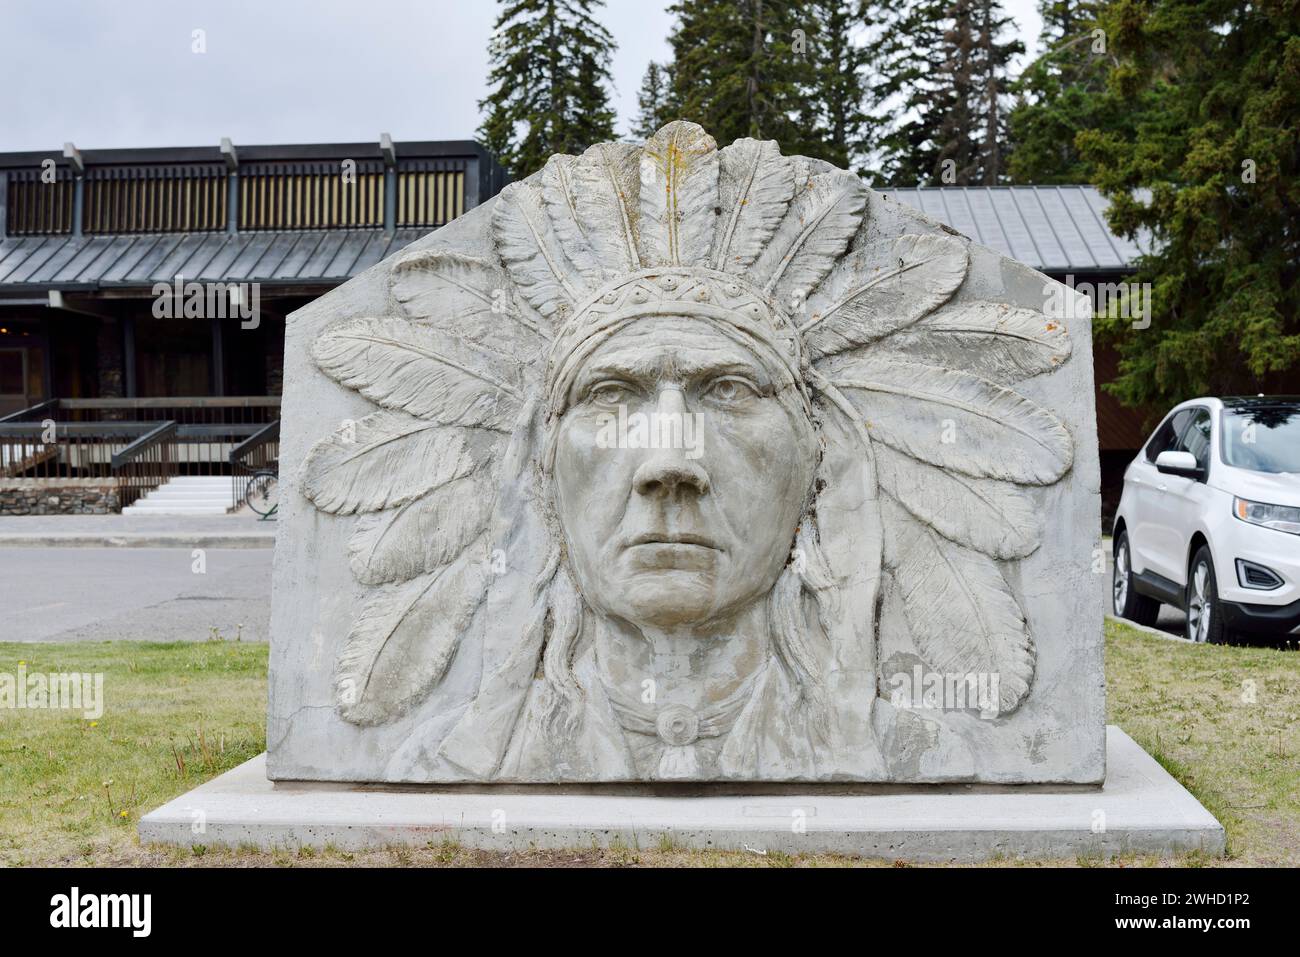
(678, 727)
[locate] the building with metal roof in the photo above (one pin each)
(1056, 229)
(86, 237)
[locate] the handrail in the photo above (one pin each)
(270, 433)
(175, 402)
(79, 429)
(145, 464)
(33, 411)
(143, 444)
(260, 450)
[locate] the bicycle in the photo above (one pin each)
(262, 493)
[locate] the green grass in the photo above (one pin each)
(179, 714)
(1191, 707)
(73, 789)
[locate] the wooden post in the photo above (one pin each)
(128, 355)
(218, 357)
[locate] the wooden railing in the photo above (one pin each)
(155, 199)
(64, 449)
(146, 463)
(184, 410)
(211, 190)
(260, 450)
(140, 442)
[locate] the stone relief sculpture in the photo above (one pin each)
(841, 438)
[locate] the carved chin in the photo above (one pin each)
(671, 586)
(668, 598)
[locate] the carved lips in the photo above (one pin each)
(673, 551)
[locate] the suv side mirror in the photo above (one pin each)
(1179, 463)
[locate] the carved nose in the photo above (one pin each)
(668, 471)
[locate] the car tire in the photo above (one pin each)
(1204, 613)
(1125, 600)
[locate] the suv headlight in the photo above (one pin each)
(1284, 518)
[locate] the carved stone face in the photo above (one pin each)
(682, 467)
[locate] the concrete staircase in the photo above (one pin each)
(186, 495)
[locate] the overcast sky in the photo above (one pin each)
(103, 73)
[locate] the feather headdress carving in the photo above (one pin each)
(773, 248)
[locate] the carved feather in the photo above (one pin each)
(856, 305)
(563, 205)
(469, 297)
(821, 221)
(527, 244)
(755, 186)
(608, 177)
(679, 196)
(423, 370)
(995, 518)
(422, 535)
(847, 530)
(992, 340)
(382, 460)
(960, 610)
(957, 421)
(404, 639)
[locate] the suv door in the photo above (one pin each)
(1191, 498)
(1177, 501)
(1142, 521)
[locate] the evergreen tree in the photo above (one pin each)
(993, 58)
(735, 71)
(653, 109)
(1212, 174)
(1063, 92)
(550, 79)
(839, 62)
(908, 86)
(945, 69)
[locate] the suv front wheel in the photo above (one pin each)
(1204, 614)
(1127, 602)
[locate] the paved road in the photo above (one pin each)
(145, 531)
(145, 594)
(152, 594)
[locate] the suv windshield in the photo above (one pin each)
(1263, 438)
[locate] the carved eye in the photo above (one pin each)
(730, 390)
(609, 392)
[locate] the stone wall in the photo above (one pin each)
(58, 497)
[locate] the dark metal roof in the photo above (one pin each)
(290, 152)
(1056, 229)
(300, 257)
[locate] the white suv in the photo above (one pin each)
(1210, 520)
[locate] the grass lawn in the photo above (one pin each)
(1225, 721)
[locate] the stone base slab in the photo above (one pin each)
(1140, 809)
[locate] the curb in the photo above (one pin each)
(1148, 630)
(142, 540)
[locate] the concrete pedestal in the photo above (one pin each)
(1140, 809)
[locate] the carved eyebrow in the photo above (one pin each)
(650, 367)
